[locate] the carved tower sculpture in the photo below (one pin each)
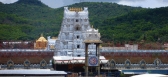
(74, 30)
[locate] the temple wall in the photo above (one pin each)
(18, 57)
(136, 57)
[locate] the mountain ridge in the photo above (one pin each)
(43, 19)
(30, 2)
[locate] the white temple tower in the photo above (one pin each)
(74, 29)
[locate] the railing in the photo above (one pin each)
(104, 50)
(25, 50)
(95, 74)
(21, 66)
(136, 66)
(111, 50)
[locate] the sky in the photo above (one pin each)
(135, 3)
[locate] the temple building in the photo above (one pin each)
(75, 26)
(51, 43)
(41, 43)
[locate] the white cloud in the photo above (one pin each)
(145, 3)
(8, 1)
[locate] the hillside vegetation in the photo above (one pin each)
(147, 24)
(99, 11)
(30, 14)
(27, 19)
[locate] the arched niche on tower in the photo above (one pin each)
(77, 28)
(77, 20)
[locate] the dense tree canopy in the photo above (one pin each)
(146, 24)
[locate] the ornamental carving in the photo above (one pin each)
(157, 62)
(113, 63)
(128, 64)
(142, 64)
(43, 64)
(27, 64)
(10, 64)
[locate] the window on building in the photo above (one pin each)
(78, 46)
(77, 20)
(77, 37)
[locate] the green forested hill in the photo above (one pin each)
(101, 11)
(146, 24)
(36, 15)
(13, 27)
(27, 19)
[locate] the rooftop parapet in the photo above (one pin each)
(73, 12)
(75, 9)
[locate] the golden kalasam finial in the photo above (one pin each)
(78, 9)
(75, 9)
(70, 8)
(41, 34)
(81, 9)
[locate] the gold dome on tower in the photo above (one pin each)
(41, 39)
(41, 43)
